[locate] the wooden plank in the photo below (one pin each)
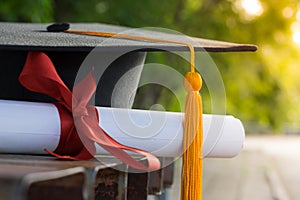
(137, 187)
(44, 177)
(109, 184)
(155, 182)
(40, 182)
(47, 161)
(168, 172)
(35, 177)
(68, 187)
(161, 179)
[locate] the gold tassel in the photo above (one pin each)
(191, 184)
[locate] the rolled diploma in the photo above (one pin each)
(30, 127)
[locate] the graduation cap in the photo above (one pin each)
(68, 51)
(66, 46)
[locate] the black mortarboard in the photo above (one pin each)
(67, 51)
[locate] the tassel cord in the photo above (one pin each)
(140, 38)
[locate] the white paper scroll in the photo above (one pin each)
(27, 127)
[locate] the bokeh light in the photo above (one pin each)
(252, 7)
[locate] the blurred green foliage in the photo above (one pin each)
(26, 11)
(262, 88)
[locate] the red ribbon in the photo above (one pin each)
(39, 75)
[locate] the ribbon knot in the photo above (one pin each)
(80, 128)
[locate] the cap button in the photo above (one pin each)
(58, 27)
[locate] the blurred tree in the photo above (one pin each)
(261, 87)
(26, 11)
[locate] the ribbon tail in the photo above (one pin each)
(60, 156)
(84, 154)
(92, 130)
(86, 122)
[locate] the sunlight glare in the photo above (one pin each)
(296, 37)
(298, 15)
(296, 32)
(252, 7)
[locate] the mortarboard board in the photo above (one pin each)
(28, 36)
(67, 51)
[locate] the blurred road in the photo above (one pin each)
(267, 169)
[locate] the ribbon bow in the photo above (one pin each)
(39, 75)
